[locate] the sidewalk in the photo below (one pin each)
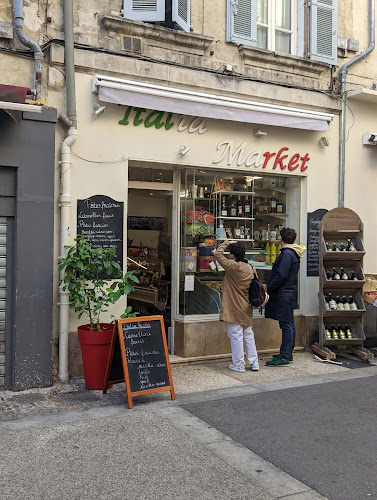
(187, 378)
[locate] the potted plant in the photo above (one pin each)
(94, 281)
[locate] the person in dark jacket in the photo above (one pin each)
(282, 289)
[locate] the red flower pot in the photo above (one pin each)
(95, 348)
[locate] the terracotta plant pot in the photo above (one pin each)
(95, 347)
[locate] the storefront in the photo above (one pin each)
(188, 182)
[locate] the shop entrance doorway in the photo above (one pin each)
(149, 243)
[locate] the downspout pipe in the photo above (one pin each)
(65, 200)
(343, 90)
(38, 55)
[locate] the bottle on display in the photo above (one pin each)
(332, 302)
(334, 333)
(238, 232)
(266, 206)
(328, 333)
(343, 274)
(352, 303)
(239, 206)
(268, 232)
(273, 203)
(247, 233)
(328, 248)
(346, 305)
(342, 248)
(247, 207)
(335, 247)
(242, 235)
(348, 332)
(335, 274)
(224, 208)
(327, 305)
(339, 304)
(350, 246)
(328, 275)
(273, 252)
(207, 192)
(220, 232)
(232, 209)
(354, 276)
(341, 332)
(278, 248)
(279, 207)
(268, 253)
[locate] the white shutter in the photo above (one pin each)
(323, 31)
(144, 10)
(181, 13)
(242, 22)
(3, 261)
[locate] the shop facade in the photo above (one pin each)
(187, 182)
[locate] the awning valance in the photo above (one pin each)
(185, 102)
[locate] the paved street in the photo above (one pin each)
(287, 433)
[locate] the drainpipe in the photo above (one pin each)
(65, 200)
(342, 80)
(38, 55)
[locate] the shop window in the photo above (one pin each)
(218, 205)
(278, 25)
(173, 14)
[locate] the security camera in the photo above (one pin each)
(98, 109)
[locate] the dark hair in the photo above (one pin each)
(237, 250)
(288, 235)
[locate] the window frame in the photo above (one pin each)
(271, 28)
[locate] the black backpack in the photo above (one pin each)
(258, 297)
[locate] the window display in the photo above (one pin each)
(218, 205)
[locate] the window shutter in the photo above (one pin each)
(242, 22)
(181, 14)
(323, 31)
(144, 10)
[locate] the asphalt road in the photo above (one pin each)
(323, 435)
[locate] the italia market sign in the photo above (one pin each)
(235, 155)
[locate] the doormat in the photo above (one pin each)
(84, 396)
(353, 362)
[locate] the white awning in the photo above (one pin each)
(185, 102)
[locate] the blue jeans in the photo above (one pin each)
(288, 331)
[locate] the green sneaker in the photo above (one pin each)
(277, 362)
(278, 356)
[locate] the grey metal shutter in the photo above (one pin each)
(323, 31)
(144, 10)
(3, 262)
(181, 13)
(241, 22)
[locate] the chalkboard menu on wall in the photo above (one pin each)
(100, 221)
(313, 231)
(139, 357)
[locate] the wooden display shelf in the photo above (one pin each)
(358, 335)
(349, 267)
(338, 256)
(357, 297)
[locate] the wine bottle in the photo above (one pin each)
(352, 303)
(332, 302)
(342, 333)
(354, 276)
(247, 207)
(328, 333)
(328, 248)
(335, 247)
(339, 304)
(334, 333)
(273, 203)
(328, 275)
(239, 207)
(224, 208)
(350, 246)
(232, 209)
(335, 274)
(279, 207)
(327, 305)
(348, 332)
(346, 305)
(342, 247)
(343, 274)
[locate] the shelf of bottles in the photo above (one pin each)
(341, 306)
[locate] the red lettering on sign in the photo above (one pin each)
(268, 157)
(293, 162)
(304, 160)
(279, 159)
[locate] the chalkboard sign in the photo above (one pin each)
(100, 221)
(139, 357)
(313, 232)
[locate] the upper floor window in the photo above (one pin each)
(168, 13)
(279, 25)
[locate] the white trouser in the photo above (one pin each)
(242, 337)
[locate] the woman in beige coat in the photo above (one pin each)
(235, 307)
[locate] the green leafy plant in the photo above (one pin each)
(89, 293)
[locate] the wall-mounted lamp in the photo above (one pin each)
(370, 138)
(325, 141)
(183, 150)
(259, 133)
(98, 109)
